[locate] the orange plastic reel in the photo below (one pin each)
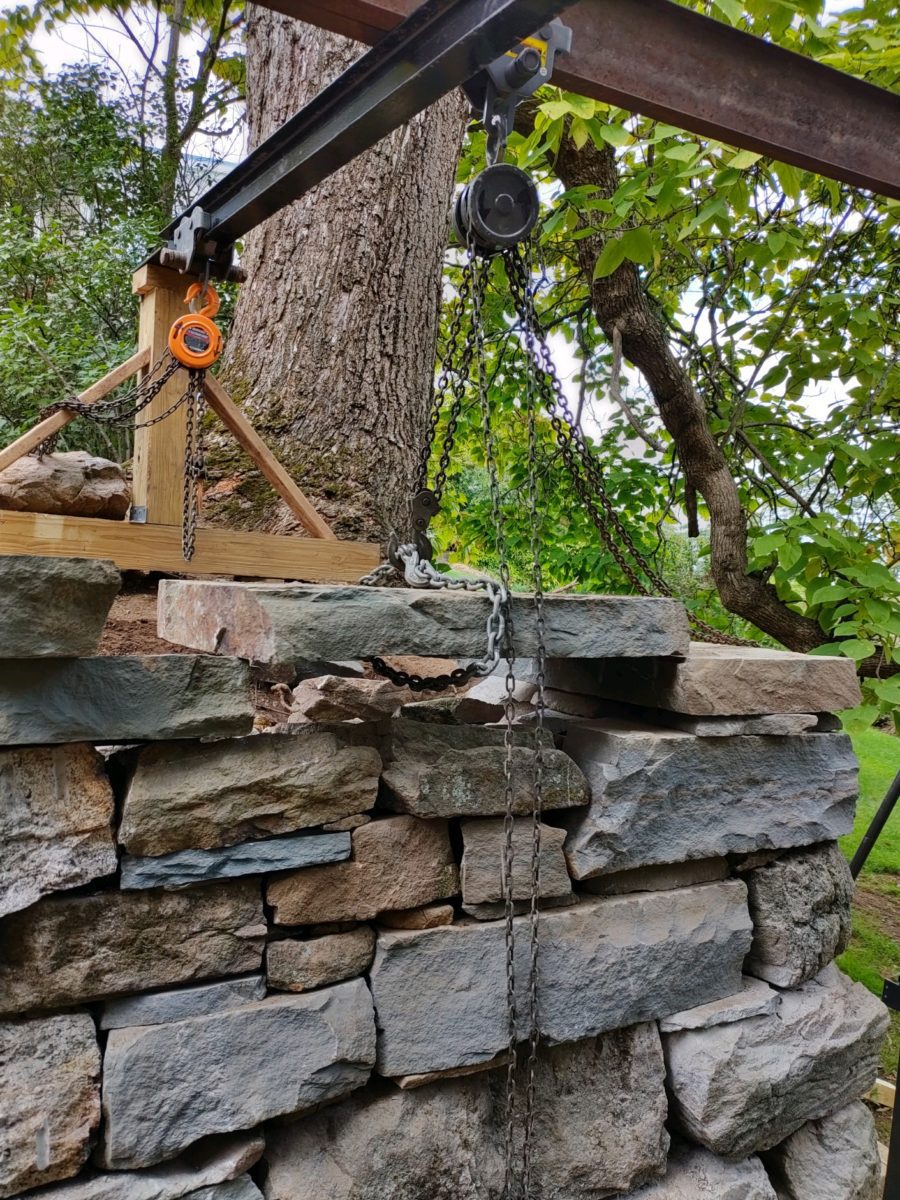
(195, 340)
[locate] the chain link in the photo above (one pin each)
(194, 461)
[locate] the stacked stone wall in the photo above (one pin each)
(240, 961)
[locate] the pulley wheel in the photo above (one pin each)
(498, 208)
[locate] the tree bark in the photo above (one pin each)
(332, 347)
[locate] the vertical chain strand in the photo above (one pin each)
(195, 400)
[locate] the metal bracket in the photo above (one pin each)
(192, 252)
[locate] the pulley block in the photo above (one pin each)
(497, 209)
(194, 339)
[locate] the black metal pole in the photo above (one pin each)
(864, 849)
(891, 997)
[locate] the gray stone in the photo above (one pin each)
(662, 796)
(724, 681)
(72, 483)
(54, 607)
(458, 770)
(453, 710)
(236, 1189)
(337, 698)
(347, 824)
(492, 689)
(205, 795)
(494, 911)
(800, 905)
(755, 999)
(283, 622)
(745, 1087)
(658, 879)
(223, 1159)
(770, 725)
(483, 847)
(248, 858)
(127, 699)
(157, 1008)
(300, 966)
(429, 916)
(68, 950)
(835, 1158)
(695, 1174)
(231, 1070)
(56, 811)
(50, 1089)
(604, 964)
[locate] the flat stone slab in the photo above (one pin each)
(719, 681)
(835, 1158)
(232, 1070)
(695, 1174)
(157, 1008)
(663, 796)
(247, 858)
(280, 623)
(755, 999)
(604, 964)
(123, 699)
(54, 607)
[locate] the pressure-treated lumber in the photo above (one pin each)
(158, 548)
(58, 420)
(232, 417)
(884, 1093)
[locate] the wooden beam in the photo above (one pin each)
(56, 421)
(232, 417)
(158, 548)
(884, 1093)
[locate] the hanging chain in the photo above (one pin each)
(194, 461)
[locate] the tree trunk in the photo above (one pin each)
(332, 349)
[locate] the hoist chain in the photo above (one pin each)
(194, 461)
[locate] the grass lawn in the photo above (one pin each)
(874, 951)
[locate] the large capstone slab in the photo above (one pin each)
(745, 1087)
(280, 623)
(54, 607)
(606, 963)
(127, 699)
(695, 1174)
(81, 948)
(835, 1158)
(232, 1070)
(662, 796)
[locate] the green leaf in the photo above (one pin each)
(857, 648)
(744, 159)
(615, 135)
(611, 256)
(581, 106)
(637, 245)
(686, 152)
(861, 718)
(829, 593)
(732, 9)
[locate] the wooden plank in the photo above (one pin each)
(158, 469)
(158, 548)
(58, 420)
(884, 1093)
(232, 417)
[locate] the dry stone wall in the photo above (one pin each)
(241, 963)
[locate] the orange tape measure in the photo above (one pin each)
(195, 339)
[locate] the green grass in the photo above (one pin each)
(879, 762)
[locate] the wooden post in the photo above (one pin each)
(158, 468)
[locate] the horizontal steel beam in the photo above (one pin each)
(662, 60)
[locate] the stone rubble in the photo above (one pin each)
(157, 1008)
(293, 965)
(835, 1158)
(72, 483)
(54, 607)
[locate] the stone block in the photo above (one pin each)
(770, 725)
(741, 1088)
(453, 710)
(283, 622)
(755, 999)
(658, 879)
(157, 1008)
(81, 948)
(483, 845)
(204, 795)
(222, 1159)
(54, 607)
(230, 862)
(337, 698)
(720, 681)
(300, 966)
(71, 482)
(695, 1174)
(430, 916)
(398, 862)
(662, 796)
(50, 1089)
(123, 699)
(800, 905)
(236, 1189)
(604, 964)
(458, 771)
(835, 1158)
(56, 812)
(231, 1070)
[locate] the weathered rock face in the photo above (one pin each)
(604, 964)
(56, 810)
(205, 795)
(124, 699)
(800, 905)
(231, 1070)
(230, 862)
(429, 916)
(238, 1189)
(658, 879)
(276, 623)
(300, 966)
(156, 1008)
(832, 1159)
(49, 1082)
(770, 725)
(480, 873)
(65, 951)
(337, 698)
(695, 1174)
(399, 862)
(755, 999)
(453, 710)
(54, 607)
(72, 482)
(454, 771)
(663, 796)
(746, 1087)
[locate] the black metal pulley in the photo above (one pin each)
(497, 209)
